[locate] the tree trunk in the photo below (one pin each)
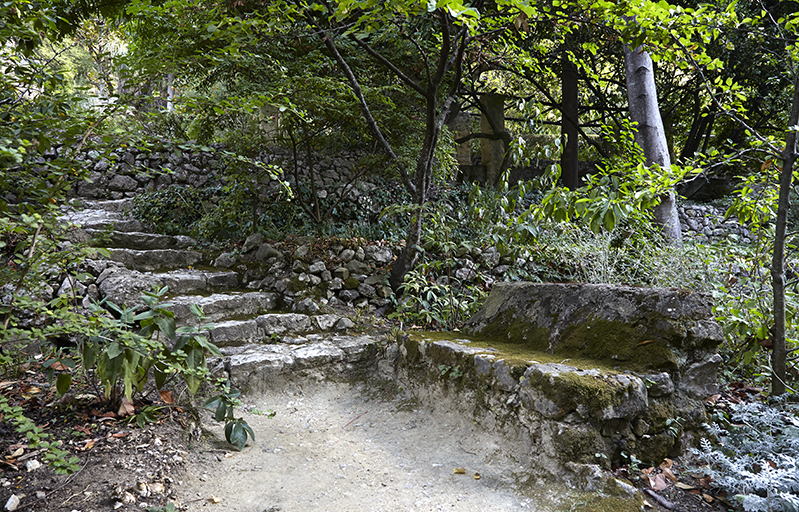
(644, 111)
(570, 103)
(493, 150)
(779, 355)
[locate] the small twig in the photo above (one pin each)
(74, 495)
(663, 502)
(353, 419)
(31, 454)
(464, 449)
(67, 482)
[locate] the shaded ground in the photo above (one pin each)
(326, 447)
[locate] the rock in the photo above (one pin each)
(699, 380)
(489, 258)
(650, 330)
(155, 259)
(367, 291)
(301, 252)
(658, 384)
(348, 295)
(32, 465)
(465, 274)
(252, 241)
(336, 284)
(278, 323)
(306, 306)
(12, 503)
(346, 255)
(317, 267)
(358, 267)
(122, 286)
(123, 183)
(324, 322)
(72, 287)
(379, 254)
(266, 251)
(342, 273)
(224, 260)
(360, 254)
(344, 323)
(102, 165)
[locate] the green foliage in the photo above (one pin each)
(56, 457)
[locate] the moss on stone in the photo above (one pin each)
(580, 444)
(297, 285)
(617, 342)
(351, 283)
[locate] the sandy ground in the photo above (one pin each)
(339, 449)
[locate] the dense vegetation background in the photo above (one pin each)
(388, 81)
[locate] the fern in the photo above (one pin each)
(753, 452)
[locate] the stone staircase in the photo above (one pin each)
(262, 343)
(637, 359)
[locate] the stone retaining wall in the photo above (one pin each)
(127, 172)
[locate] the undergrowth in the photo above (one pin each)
(753, 452)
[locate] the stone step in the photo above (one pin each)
(270, 328)
(124, 286)
(154, 260)
(138, 240)
(256, 368)
(223, 306)
(103, 220)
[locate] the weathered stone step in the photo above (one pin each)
(256, 368)
(103, 220)
(269, 328)
(159, 259)
(124, 286)
(139, 240)
(222, 306)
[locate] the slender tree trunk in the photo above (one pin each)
(778, 356)
(570, 103)
(644, 111)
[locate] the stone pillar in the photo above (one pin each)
(492, 151)
(460, 125)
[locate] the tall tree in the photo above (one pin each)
(650, 135)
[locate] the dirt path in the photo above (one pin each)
(337, 449)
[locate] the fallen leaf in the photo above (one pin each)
(684, 487)
(83, 430)
(708, 498)
(7, 383)
(647, 504)
(459, 471)
(645, 342)
(705, 481)
(88, 445)
(120, 435)
(214, 499)
(126, 409)
(713, 399)
(477, 476)
(17, 453)
(59, 366)
(228, 455)
(772, 464)
(166, 396)
(657, 482)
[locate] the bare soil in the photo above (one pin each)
(331, 447)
